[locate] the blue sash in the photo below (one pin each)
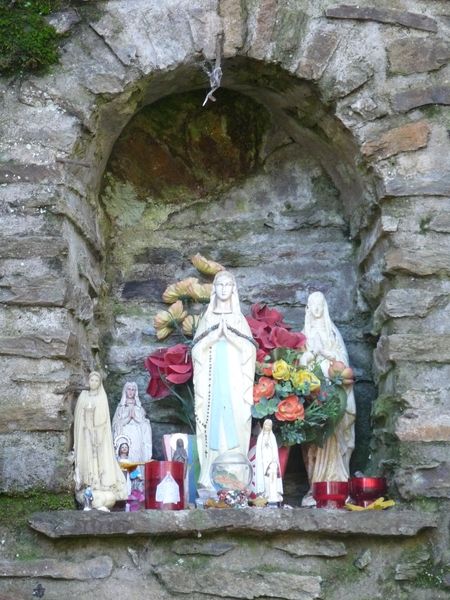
(221, 407)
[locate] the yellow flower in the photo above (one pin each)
(206, 266)
(162, 319)
(190, 325)
(183, 287)
(280, 370)
(177, 312)
(164, 332)
(301, 377)
(170, 294)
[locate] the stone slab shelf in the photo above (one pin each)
(77, 524)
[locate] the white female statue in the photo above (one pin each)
(265, 456)
(95, 461)
(224, 355)
(130, 420)
(325, 344)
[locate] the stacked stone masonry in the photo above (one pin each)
(376, 80)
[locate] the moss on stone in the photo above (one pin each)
(27, 42)
(16, 509)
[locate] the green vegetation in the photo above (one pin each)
(17, 509)
(27, 42)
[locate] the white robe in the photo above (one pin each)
(241, 357)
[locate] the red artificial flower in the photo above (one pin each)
(282, 338)
(168, 365)
(265, 388)
(261, 355)
(290, 409)
(270, 316)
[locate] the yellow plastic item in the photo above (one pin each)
(378, 504)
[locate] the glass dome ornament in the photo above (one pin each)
(232, 472)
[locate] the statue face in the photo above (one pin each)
(124, 449)
(130, 394)
(94, 382)
(315, 305)
(224, 287)
(267, 425)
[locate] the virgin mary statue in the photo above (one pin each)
(95, 462)
(224, 355)
(325, 344)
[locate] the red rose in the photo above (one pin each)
(270, 316)
(168, 365)
(281, 338)
(261, 355)
(290, 409)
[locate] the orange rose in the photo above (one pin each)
(265, 388)
(290, 409)
(267, 385)
(267, 369)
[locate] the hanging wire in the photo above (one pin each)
(214, 72)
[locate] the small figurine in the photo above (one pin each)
(130, 421)
(267, 464)
(95, 461)
(88, 497)
(272, 476)
(180, 454)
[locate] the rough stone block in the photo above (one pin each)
(35, 291)
(406, 302)
(416, 97)
(417, 55)
(426, 417)
(13, 172)
(68, 524)
(53, 568)
(262, 30)
(30, 246)
(400, 139)
(319, 48)
(424, 471)
(232, 16)
(56, 344)
(383, 15)
(239, 584)
(415, 348)
(35, 460)
(188, 547)
(408, 571)
(386, 224)
(326, 548)
(31, 406)
(427, 260)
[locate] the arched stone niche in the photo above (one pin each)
(373, 91)
(266, 181)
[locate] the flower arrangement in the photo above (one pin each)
(170, 368)
(304, 404)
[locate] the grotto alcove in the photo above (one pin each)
(267, 182)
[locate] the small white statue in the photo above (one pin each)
(325, 344)
(224, 356)
(130, 421)
(273, 478)
(267, 463)
(95, 461)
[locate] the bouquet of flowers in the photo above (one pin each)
(305, 405)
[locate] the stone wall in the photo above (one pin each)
(371, 90)
(298, 554)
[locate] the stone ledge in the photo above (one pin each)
(70, 524)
